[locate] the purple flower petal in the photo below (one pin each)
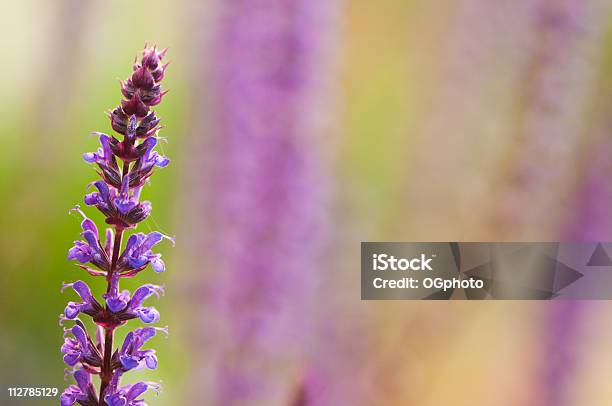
(125, 186)
(146, 333)
(150, 359)
(147, 314)
(72, 310)
(92, 239)
(144, 292)
(161, 161)
(91, 198)
(124, 205)
(115, 400)
(136, 390)
(138, 261)
(105, 142)
(151, 239)
(90, 157)
(72, 359)
(133, 242)
(118, 303)
(69, 396)
(81, 252)
(82, 290)
(158, 265)
(83, 379)
(81, 336)
(88, 225)
(129, 361)
(149, 144)
(103, 189)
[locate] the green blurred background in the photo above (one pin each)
(464, 120)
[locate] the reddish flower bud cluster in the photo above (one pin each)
(141, 90)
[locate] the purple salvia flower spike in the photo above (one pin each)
(124, 166)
